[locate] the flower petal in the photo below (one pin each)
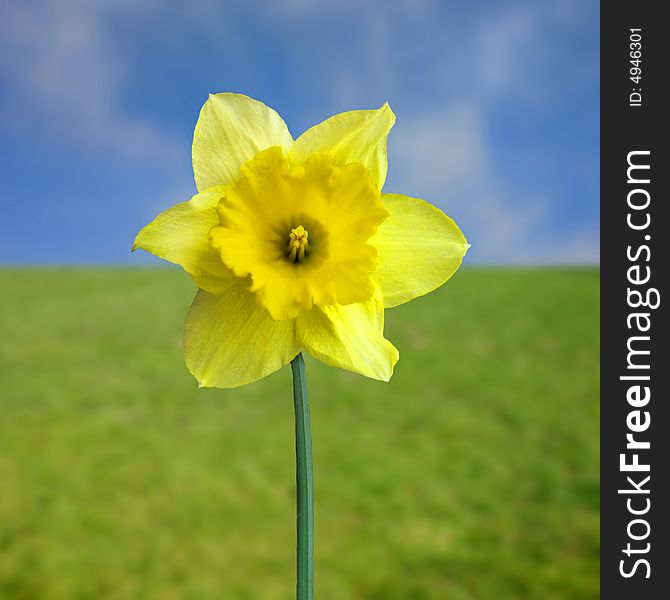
(180, 235)
(419, 248)
(231, 130)
(229, 340)
(350, 337)
(354, 136)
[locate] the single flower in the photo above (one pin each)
(294, 246)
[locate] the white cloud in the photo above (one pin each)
(439, 150)
(502, 45)
(443, 158)
(66, 77)
(581, 248)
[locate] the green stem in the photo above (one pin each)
(305, 483)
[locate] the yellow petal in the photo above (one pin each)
(229, 340)
(231, 130)
(418, 249)
(354, 136)
(349, 337)
(180, 235)
(336, 207)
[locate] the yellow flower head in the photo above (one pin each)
(293, 245)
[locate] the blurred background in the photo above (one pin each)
(472, 475)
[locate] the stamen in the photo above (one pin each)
(298, 245)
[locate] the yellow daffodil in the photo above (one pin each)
(294, 246)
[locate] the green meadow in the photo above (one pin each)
(473, 474)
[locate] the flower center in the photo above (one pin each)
(301, 232)
(298, 246)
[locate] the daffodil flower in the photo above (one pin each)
(293, 245)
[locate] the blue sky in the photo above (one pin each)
(497, 106)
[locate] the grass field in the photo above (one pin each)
(472, 475)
